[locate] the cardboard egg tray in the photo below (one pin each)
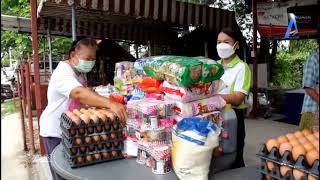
(287, 159)
(103, 156)
(73, 130)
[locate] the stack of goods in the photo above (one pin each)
(91, 136)
(291, 156)
(149, 126)
(126, 77)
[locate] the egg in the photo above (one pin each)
(69, 113)
(72, 132)
(100, 146)
(111, 116)
(294, 143)
(107, 127)
(83, 149)
(91, 147)
(108, 145)
(312, 156)
(82, 110)
(116, 143)
(87, 140)
(298, 174)
(114, 153)
(102, 117)
(284, 170)
(105, 155)
(104, 137)
(94, 118)
(282, 139)
(96, 156)
(310, 177)
(99, 128)
(79, 160)
(96, 138)
(285, 147)
(272, 143)
(115, 126)
(77, 141)
(90, 130)
(311, 137)
(88, 113)
(308, 146)
(306, 132)
(298, 134)
(297, 151)
(290, 136)
(302, 140)
(113, 136)
(315, 143)
(77, 112)
(85, 118)
(268, 177)
(75, 119)
(82, 131)
(88, 158)
(316, 134)
(74, 150)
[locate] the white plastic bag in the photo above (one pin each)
(192, 148)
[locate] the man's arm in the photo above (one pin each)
(313, 93)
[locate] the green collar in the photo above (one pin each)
(233, 62)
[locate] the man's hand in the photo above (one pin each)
(120, 111)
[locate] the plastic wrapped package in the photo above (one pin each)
(193, 92)
(150, 85)
(193, 141)
(199, 107)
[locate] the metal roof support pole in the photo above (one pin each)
(149, 48)
(254, 58)
(49, 46)
(34, 31)
(73, 23)
(19, 71)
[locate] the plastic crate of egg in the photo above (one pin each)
(91, 136)
(294, 156)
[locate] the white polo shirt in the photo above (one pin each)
(237, 78)
(62, 81)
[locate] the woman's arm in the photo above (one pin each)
(234, 99)
(88, 97)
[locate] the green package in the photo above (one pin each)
(211, 70)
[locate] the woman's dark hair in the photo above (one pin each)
(232, 33)
(86, 41)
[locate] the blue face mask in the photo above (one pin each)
(84, 66)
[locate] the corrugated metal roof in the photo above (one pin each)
(136, 20)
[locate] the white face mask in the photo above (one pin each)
(225, 50)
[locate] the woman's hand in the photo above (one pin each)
(120, 111)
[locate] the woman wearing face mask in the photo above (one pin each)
(67, 91)
(237, 78)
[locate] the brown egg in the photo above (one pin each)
(77, 141)
(297, 151)
(104, 137)
(87, 140)
(77, 112)
(298, 174)
(306, 132)
(94, 118)
(79, 160)
(107, 127)
(83, 149)
(69, 113)
(96, 156)
(85, 118)
(88, 158)
(96, 138)
(99, 128)
(115, 126)
(100, 146)
(316, 134)
(82, 110)
(74, 150)
(284, 170)
(72, 132)
(315, 143)
(111, 116)
(308, 146)
(90, 130)
(82, 131)
(75, 119)
(105, 155)
(108, 145)
(298, 134)
(311, 137)
(285, 147)
(114, 153)
(282, 139)
(102, 117)
(272, 143)
(294, 143)
(113, 136)
(91, 147)
(302, 140)
(116, 143)
(290, 136)
(311, 177)
(312, 156)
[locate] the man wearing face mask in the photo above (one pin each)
(66, 91)
(237, 78)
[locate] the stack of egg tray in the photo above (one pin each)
(103, 141)
(285, 160)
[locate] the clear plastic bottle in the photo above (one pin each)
(229, 131)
